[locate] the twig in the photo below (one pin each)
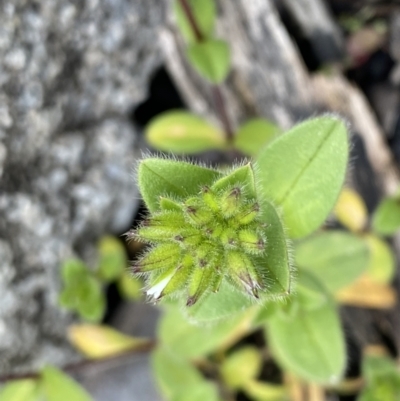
(218, 98)
(75, 367)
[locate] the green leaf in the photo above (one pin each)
(200, 392)
(243, 176)
(261, 391)
(190, 341)
(204, 13)
(254, 135)
(113, 259)
(183, 132)
(129, 287)
(19, 390)
(302, 172)
(211, 59)
(159, 177)
(73, 270)
(241, 367)
(337, 258)
(383, 379)
(386, 218)
(310, 344)
(57, 386)
(381, 266)
(221, 305)
(91, 302)
(173, 374)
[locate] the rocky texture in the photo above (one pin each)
(70, 72)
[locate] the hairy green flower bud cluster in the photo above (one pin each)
(200, 241)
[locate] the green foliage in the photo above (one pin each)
(162, 177)
(254, 135)
(20, 390)
(183, 132)
(381, 266)
(211, 59)
(204, 13)
(220, 233)
(386, 218)
(112, 259)
(241, 367)
(82, 291)
(383, 379)
(57, 386)
(261, 391)
(309, 341)
(302, 172)
(337, 258)
(177, 377)
(189, 341)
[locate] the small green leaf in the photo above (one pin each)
(57, 386)
(310, 343)
(302, 172)
(254, 135)
(337, 258)
(242, 176)
(261, 391)
(199, 392)
(159, 177)
(241, 367)
(183, 132)
(211, 59)
(204, 13)
(129, 286)
(174, 374)
(189, 341)
(383, 379)
(381, 266)
(386, 218)
(91, 302)
(113, 259)
(19, 390)
(73, 270)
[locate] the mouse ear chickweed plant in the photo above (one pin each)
(220, 240)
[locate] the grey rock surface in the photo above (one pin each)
(70, 73)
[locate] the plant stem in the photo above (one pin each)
(75, 367)
(217, 96)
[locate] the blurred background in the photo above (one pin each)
(79, 82)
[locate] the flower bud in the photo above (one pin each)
(160, 257)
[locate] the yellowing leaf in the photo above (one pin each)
(351, 211)
(381, 267)
(98, 341)
(367, 293)
(182, 132)
(241, 367)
